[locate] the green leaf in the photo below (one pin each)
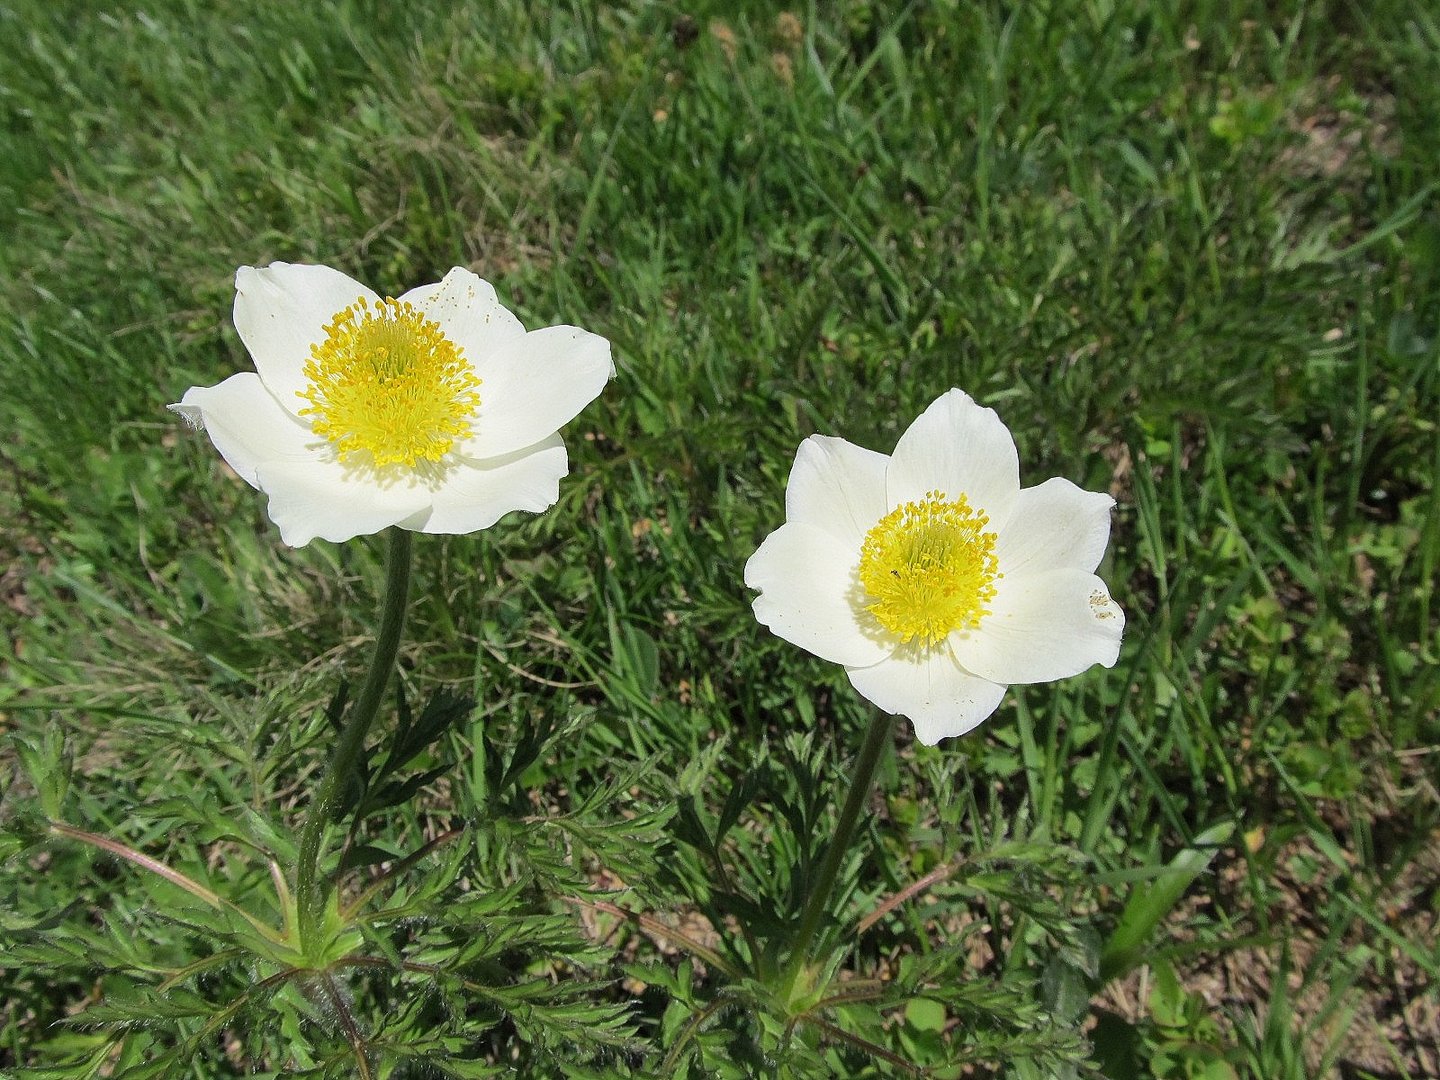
(48, 762)
(925, 1014)
(442, 712)
(1066, 990)
(1150, 903)
(365, 855)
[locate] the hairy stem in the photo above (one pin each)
(862, 779)
(308, 895)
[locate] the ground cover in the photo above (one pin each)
(1192, 256)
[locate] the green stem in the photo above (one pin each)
(862, 780)
(352, 737)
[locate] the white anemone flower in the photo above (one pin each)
(436, 412)
(931, 575)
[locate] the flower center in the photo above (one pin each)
(929, 568)
(387, 383)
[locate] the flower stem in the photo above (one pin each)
(308, 895)
(862, 780)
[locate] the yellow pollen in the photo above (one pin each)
(387, 386)
(929, 568)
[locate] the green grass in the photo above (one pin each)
(1191, 257)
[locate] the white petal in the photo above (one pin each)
(928, 686)
(836, 486)
(533, 385)
(1055, 524)
(246, 424)
(320, 497)
(1042, 627)
(467, 310)
(807, 580)
(281, 310)
(476, 494)
(959, 448)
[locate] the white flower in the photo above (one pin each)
(931, 575)
(435, 412)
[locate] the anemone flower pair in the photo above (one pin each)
(436, 411)
(931, 575)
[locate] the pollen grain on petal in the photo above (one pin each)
(1101, 606)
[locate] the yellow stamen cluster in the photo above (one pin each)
(929, 568)
(387, 386)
